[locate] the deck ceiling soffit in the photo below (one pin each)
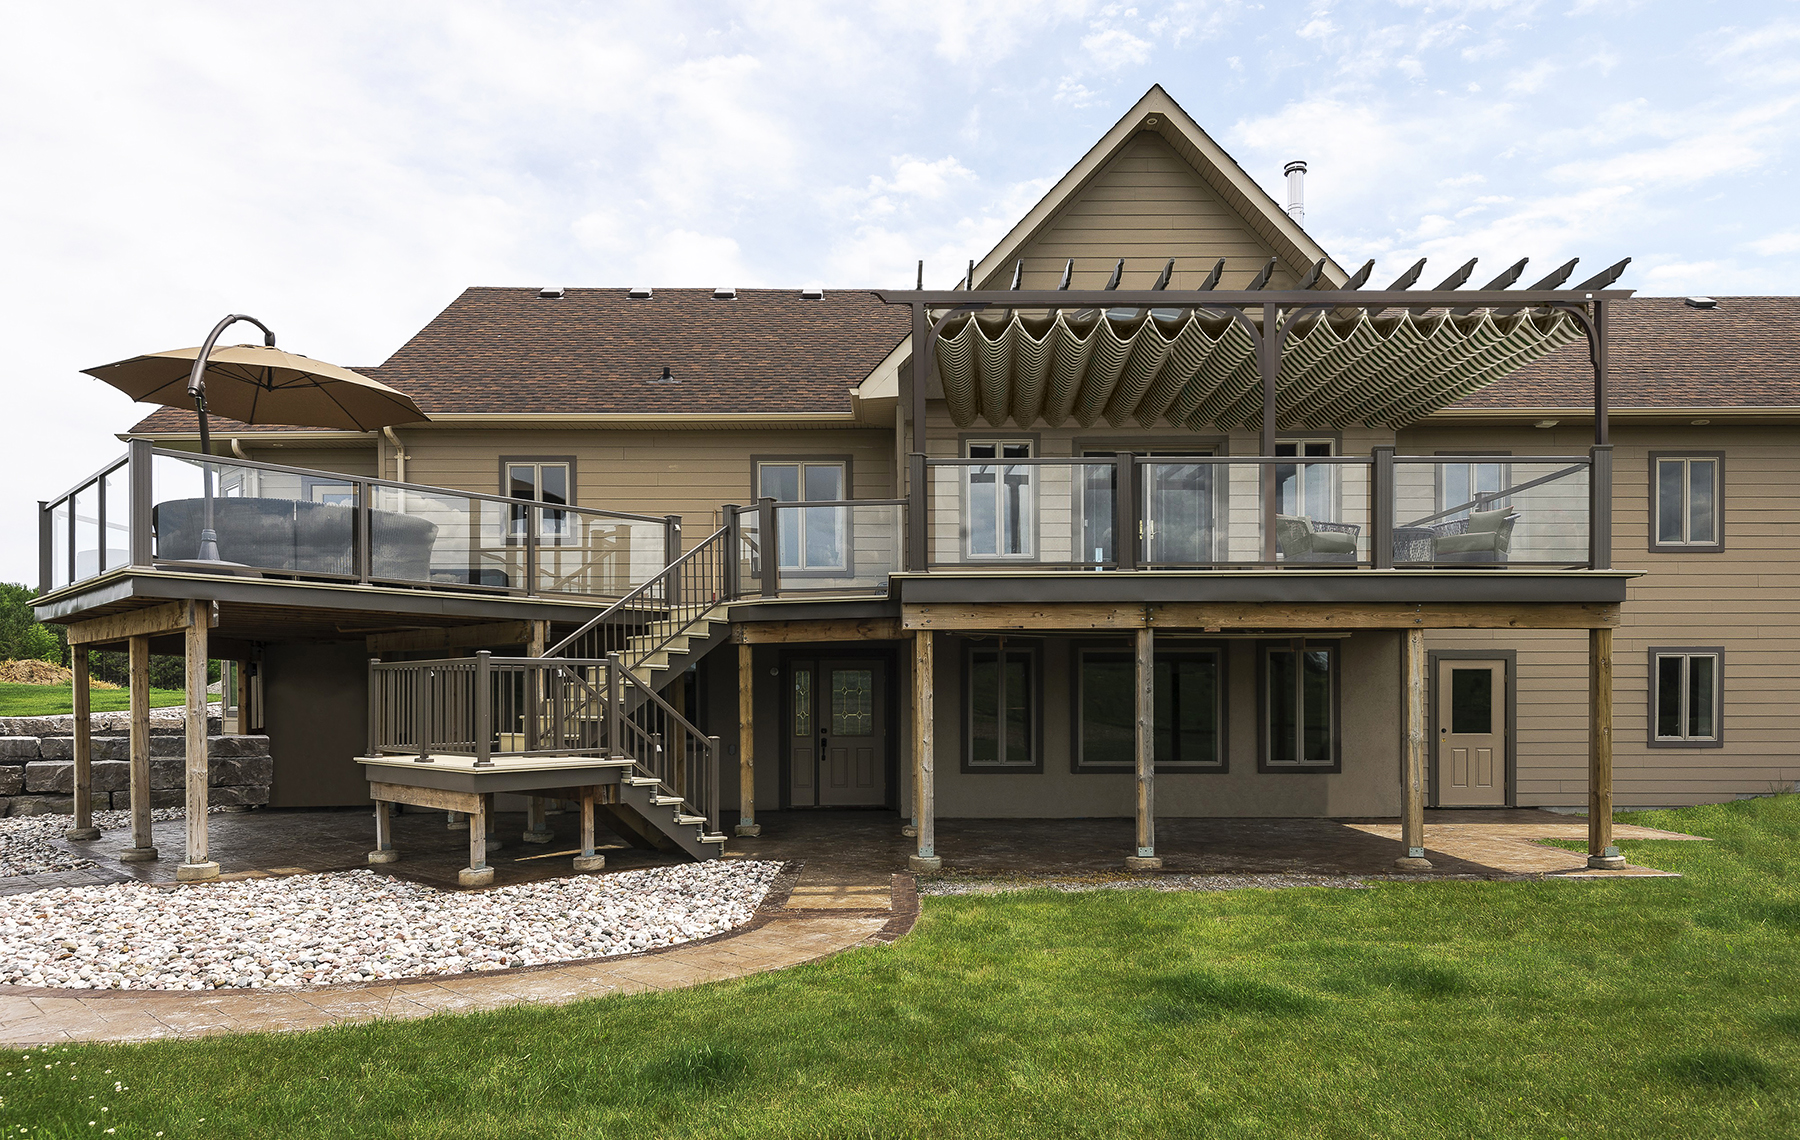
(1198, 369)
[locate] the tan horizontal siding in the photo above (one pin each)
(1146, 206)
(1745, 600)
(686, 473)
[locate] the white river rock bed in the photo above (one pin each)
(357, 926)
(32, 844)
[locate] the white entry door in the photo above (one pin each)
(1473, 750)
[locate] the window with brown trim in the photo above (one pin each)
(1189, 733)
(1001, 717)
(1687, 492)
(1297, 691)
(1686, 691)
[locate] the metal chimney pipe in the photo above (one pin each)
(1296, 176)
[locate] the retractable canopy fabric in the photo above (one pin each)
(1198, 369)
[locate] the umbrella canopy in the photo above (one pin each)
(261, 384)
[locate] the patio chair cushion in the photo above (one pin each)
(1301, 540)
(1487, 521)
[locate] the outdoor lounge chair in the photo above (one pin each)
(1302, 539)
(1485, 536)
(297, 537)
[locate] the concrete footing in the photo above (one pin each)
(457, 822)
(471, 877)
(590, 862)
(749, 830)
(78, 834)
(1412, 863)
(1606, 862)
(539, 836)
(388, 856)
(138, 855)
(910, 831)
(196, 872)
(1143, 863)
(924, 863)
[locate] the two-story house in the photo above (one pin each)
(1160, 512)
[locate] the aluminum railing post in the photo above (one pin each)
(423, 716)
(375, 709)
(365, 531)
(672, 554)
(771, 547)
(1125, 515)
(1381, 510)
(615, 707)
(1600, 464)
(532, 521)
(484, 711)
(918, 550)
(46, 538)
(734, 546)
(138, 459)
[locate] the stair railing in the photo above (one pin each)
(660, 610)
(665, 744)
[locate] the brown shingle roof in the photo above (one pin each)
(1663, 353)
(505, 350)
(499, 350)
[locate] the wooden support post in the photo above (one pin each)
(747, 825)
(84, 749)
(587, 860)
(142, 850)
(924, 779)
(246, 719)
(384, 835)
(1412, 758)
(455, 821)
(1602, 854)
(478, 873)
(1145, 859)
(196, 865)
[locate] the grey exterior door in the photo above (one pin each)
(1473, 749)
(837, 732)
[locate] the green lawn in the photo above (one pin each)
(1555, 1009)
(54, 700)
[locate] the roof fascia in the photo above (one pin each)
(1771, 412)
(1216, 168)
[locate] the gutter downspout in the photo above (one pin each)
(237, 449)
(399, 454)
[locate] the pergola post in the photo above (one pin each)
(924, 778)
(196, 865)
(1145, 859)
(1602, 854)
(747, 825)
(142, 850)
(1412, 757)
(84, 749)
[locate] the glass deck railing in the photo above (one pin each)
(1119, 512)
(287, 521)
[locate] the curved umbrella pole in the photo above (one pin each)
(209, 541)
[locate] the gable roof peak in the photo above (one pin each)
(1158, 113)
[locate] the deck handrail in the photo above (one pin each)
(666, 585)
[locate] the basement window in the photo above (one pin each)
(1298, 695)
(1190, 713)
(1000, 702)
(1686, 686)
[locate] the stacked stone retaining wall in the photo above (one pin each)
(37, 768)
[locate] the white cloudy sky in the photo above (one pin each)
(341, 170)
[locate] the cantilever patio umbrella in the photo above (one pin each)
(255, 384)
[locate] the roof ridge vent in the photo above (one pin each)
(639, 293)
(1700, 302)
(551, 292)
(812, 293)
(725, 293)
